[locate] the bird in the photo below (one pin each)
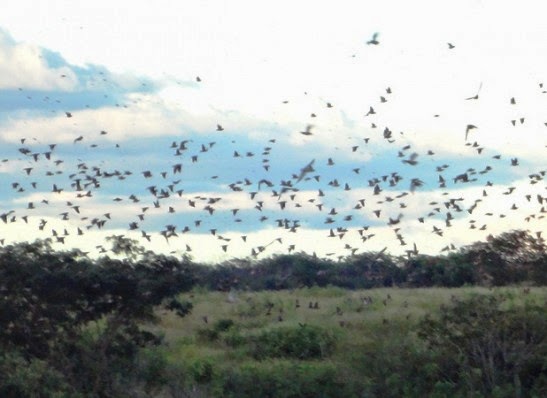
(374, 39)
(306, 170)
(476, 96)
(307, 131)
(412, 159)
(468, 129)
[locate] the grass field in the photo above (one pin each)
(220, 333)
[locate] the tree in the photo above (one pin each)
(487, 345)
(507, 258)
(83, 317)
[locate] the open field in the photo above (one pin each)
(390, 307)
(369, 328)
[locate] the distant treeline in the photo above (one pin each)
(511, 258)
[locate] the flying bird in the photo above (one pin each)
(374, 39)
(476, 96)
(308, 130)
(305, 170)
(468, 129)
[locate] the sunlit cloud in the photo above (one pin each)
(23, 66)
(242, 135)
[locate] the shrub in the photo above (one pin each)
(21, 378)
(208, 334)
(202, 370)
(486, 346)
(213, 334)
(301, 342)
(222, 325)
(303, 380)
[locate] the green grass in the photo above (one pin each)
(249, 311)
(359, 329)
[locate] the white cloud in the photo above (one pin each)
(120, 123)
(251, 58)
(23, 65)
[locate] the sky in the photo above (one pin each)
(246, 129)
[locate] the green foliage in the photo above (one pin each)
(283, 380)
(47, 294)
(152, 369)
(201, 371)
(219, 327)
(449, 271)
(207, 334)
(81, 318)
(300, 342)
(223, 325)
(75, 327)
(22, 378)
(234, 339)
(488, 346)
(512, 257)
(181, 308)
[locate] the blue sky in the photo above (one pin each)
(115, 92)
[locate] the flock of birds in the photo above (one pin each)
(61, 189)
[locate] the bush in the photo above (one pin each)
(395, 366)
(21, 378)
(304, 380)
(213, 334)
(301, 342)
(222, 325)
(208, 334)
(152, 369)
(202, 371)
(487, 346)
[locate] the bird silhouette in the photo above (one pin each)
(374, 39)
(305, 170)
(308, 130)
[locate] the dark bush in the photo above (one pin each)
(213, 333)
(222, 325)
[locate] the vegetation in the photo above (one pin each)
(467, 324)
(510, 258)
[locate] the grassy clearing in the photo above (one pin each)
(360, 319)
(355, 343)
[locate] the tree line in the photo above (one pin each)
(513, 257)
